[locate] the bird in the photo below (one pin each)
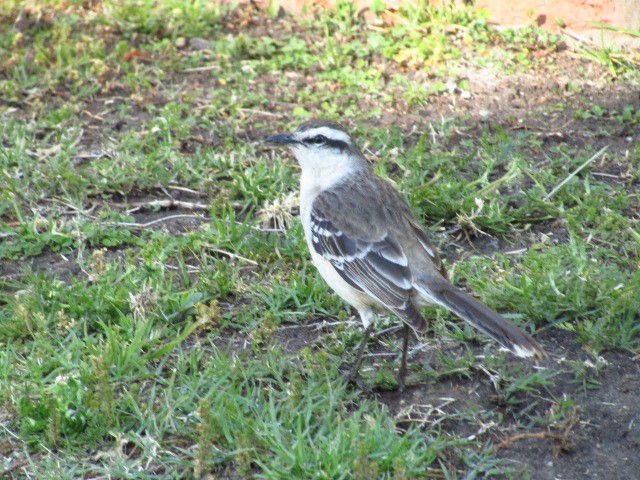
(371, 250)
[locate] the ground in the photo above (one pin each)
(159, 315)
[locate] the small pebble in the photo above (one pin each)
(198, 43)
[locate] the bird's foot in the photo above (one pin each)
(401, 386)
(353, 378)
(401, 379)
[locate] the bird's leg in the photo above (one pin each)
(402, 372)
(353, 373)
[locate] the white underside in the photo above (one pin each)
(311, 184)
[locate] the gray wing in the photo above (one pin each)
(374, 265)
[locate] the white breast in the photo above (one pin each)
(309, 190)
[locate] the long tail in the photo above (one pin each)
(482, 318)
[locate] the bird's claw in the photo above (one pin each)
(354, 378)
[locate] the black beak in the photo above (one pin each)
(283, 139)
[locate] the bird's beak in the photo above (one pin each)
(284, 139)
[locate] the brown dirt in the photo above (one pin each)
(576, 18)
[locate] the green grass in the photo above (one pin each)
(137, 345)
(618, 61)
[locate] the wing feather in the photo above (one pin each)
(377, 266)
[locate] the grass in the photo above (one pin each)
(619, 61)
(138, 344)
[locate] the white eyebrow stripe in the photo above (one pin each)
(330, 133)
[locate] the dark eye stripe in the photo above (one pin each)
(338, 144)
(321, 139)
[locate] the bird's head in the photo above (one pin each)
(320, 145)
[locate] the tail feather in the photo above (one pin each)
(411, 316)
(485, 320)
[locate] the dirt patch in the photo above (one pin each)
(605, 440)
(597, 438)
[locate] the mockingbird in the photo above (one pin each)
(369, 247)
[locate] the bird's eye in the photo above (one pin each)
(317, 140)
